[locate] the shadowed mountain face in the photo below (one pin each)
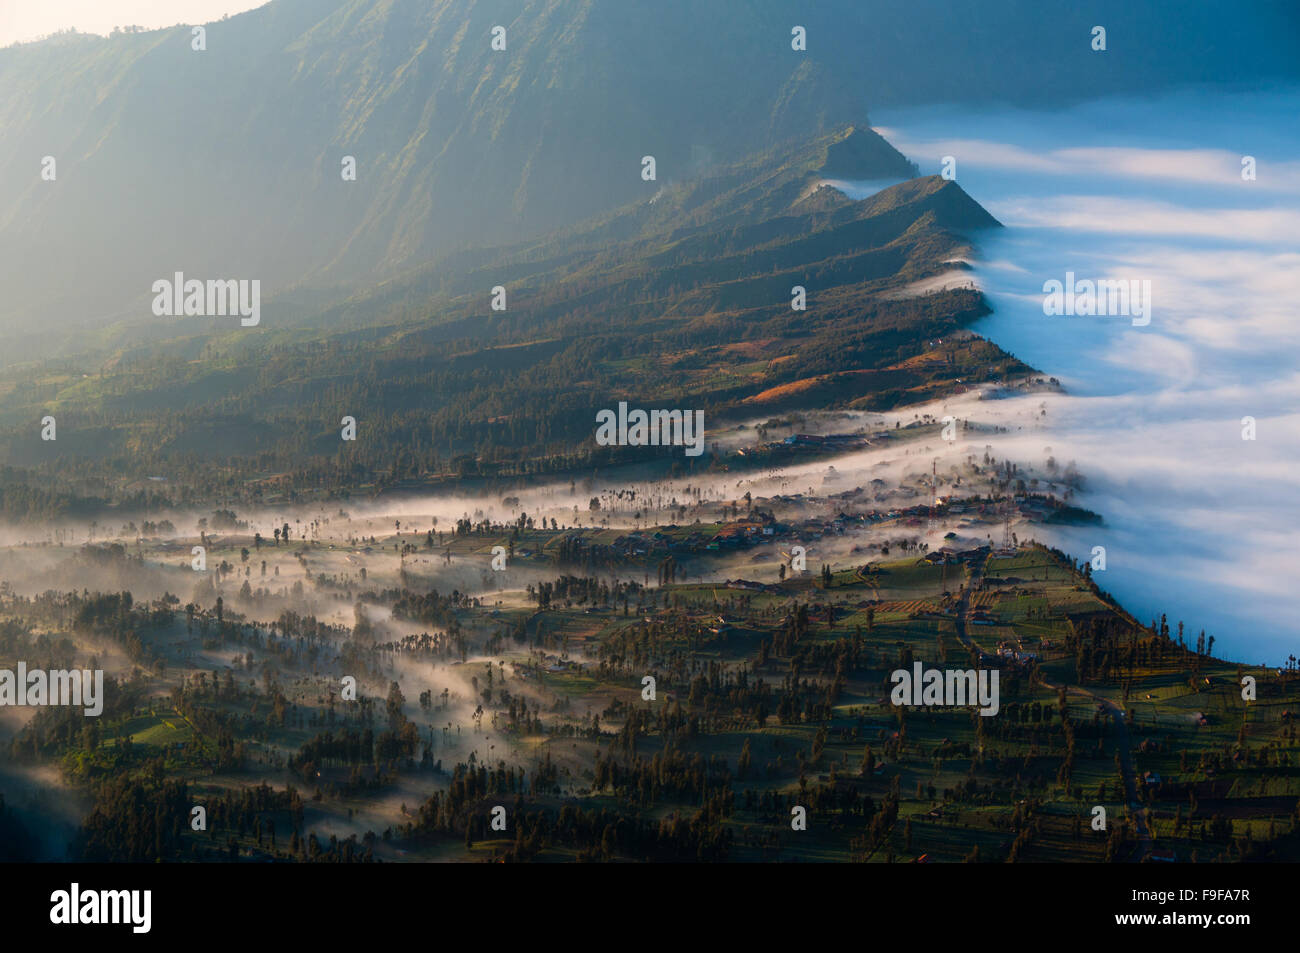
(228, 162)
(683, 301)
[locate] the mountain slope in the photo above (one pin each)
(227, 162)
(692, 308)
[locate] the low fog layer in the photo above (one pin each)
(1152, 189)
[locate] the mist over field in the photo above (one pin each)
(370, 570)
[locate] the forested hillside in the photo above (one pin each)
(166, 156)
(685, 302)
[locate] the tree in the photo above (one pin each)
(868, 761)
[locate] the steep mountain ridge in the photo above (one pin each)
(228, 162)
(697, 315)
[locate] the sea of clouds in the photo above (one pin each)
(1200, 524)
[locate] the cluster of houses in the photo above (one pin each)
(751, 586)
(818, 442)
(1010, 653)
(952, 557)
(762, 528)
(551, 664)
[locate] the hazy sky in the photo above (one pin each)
(22, 20)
